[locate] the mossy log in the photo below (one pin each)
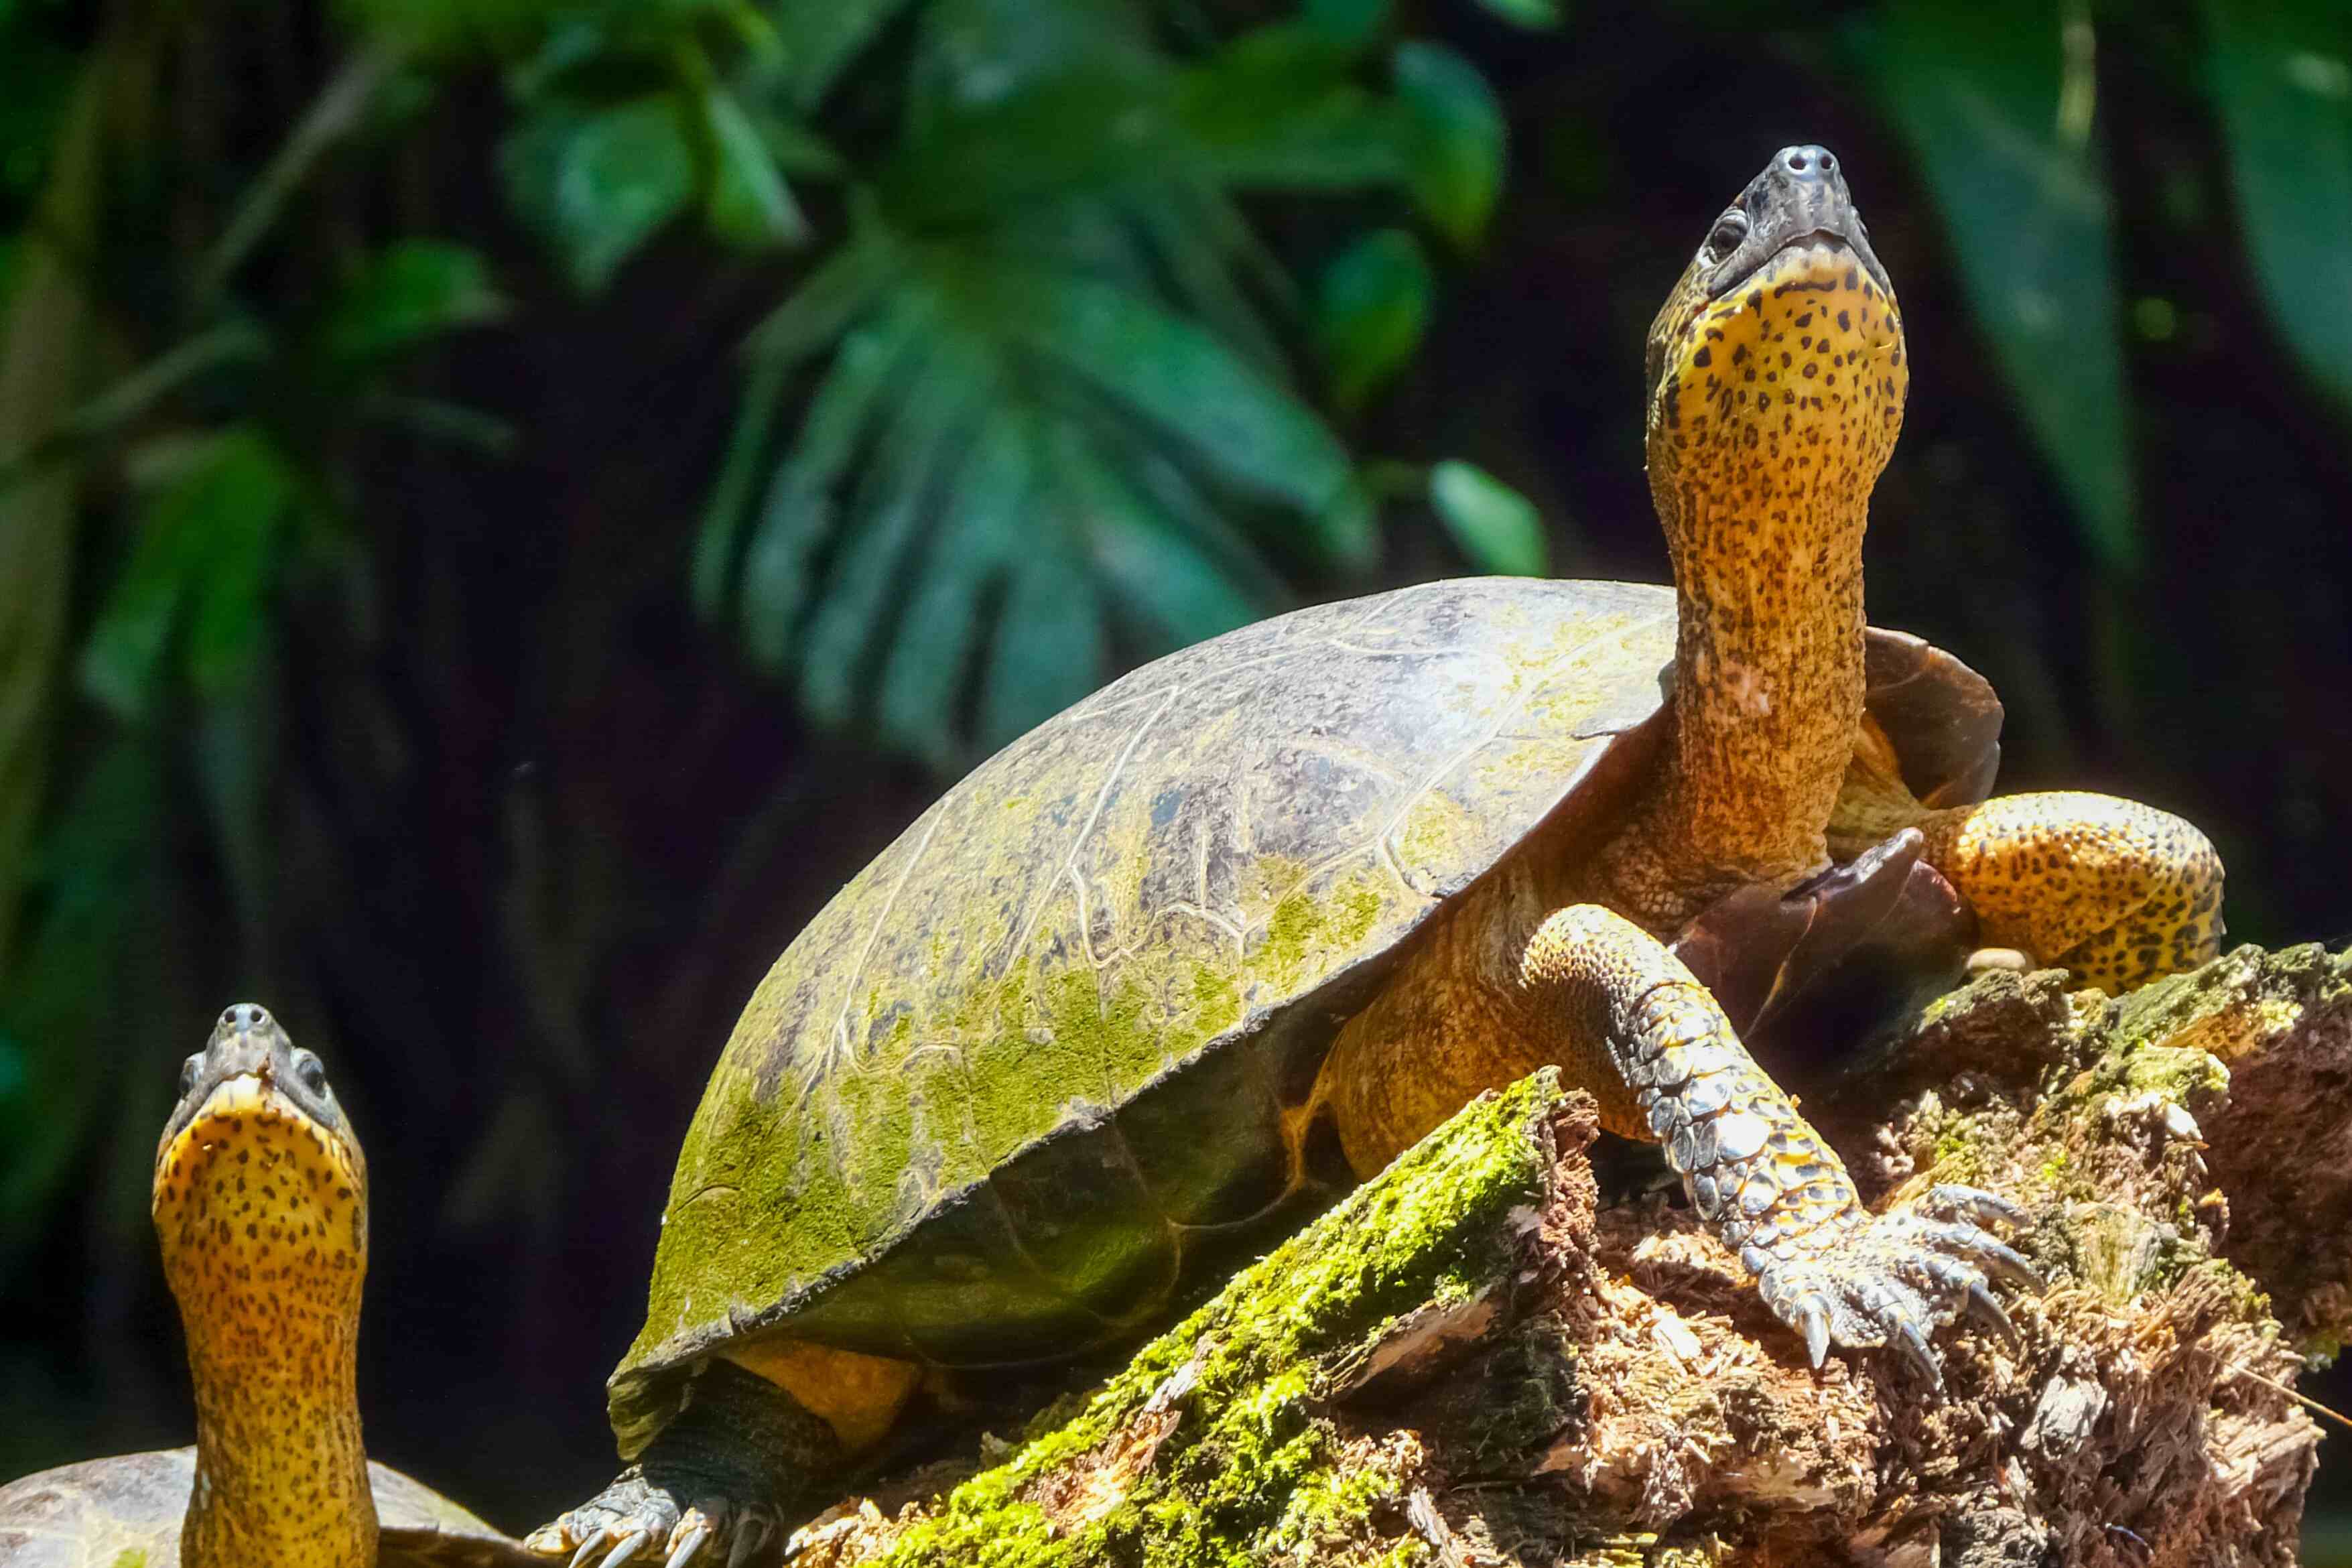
(1475, 1361)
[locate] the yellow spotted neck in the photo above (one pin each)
(263, 1222)
(1776, 408)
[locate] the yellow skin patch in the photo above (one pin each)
(263, 1220)
(859, 1396)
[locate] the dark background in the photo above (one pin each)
(391, 623)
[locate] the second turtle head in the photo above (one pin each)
(260, 1189)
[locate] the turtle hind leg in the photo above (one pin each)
(2117, 892)
(717, 1488)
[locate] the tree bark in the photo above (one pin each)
(1475, 1360)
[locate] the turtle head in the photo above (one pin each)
(1776, 369)
(260, 1190)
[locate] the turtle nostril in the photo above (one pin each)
(1797, 162)
(1828, 162)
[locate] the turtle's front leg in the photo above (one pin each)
(715, 1488)
(1775, 1191)
(2117, 892)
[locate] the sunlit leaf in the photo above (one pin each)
(1152, 565)
(1192, 389)
(411, 290)
(797, 519)
(599, 182)
(1047, 650)
(905, 482)
(2281, 75)
(1976, 90)
(986, 522)
(749, 205)
(1457, 141)
(1370, 312)
(1496, 527)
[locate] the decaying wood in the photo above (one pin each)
(1476, 1361)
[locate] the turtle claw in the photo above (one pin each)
(748, 1542)
(1811, 1318)
(635, 1518)
(1890, 1279)
(1987, 1313)
(692, 1532)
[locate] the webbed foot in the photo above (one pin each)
(637, 1521)
(1891, 1278)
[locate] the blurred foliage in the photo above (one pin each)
(505, 504)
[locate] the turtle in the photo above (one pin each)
(260, 1203)
(1175, 967)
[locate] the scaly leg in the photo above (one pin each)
(1627, 1021)
(2117, 892)
(718, 1485)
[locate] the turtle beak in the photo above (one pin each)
(1801, 198)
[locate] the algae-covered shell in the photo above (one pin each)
(1049, 1049)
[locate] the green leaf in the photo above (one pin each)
(1458, 139)
(204, 548)
(824, 306)
(1536, 15)
(1354, 22)
(1371, 312)
(820, 40)
(1145, 557)
(798, 518)
(1978, 91)
(988, 523)
(410, 291)
(2281, 77)
(1496, 527)
(1192, 389)
(1278, 107)
(901, 494)
(236, 506)
(1047, 650)
(599, 182)
(749, 205)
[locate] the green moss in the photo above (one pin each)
(1251, 1465)
(1306, 931)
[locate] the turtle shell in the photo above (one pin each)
(103, 1514)
(1043, 1057)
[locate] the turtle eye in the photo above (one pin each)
(312, 1071)
(188, 1075)
(1728, 231)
